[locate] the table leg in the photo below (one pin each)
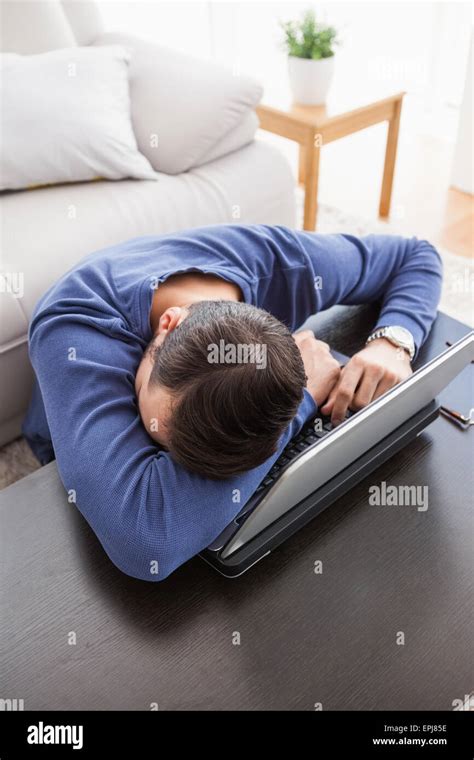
(390, 157)
(301, 163)
(311, 177)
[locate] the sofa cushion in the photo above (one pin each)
(14, 322)
(253, 185)
(76, 103)
(30, 26)
(85, 20)
(182, 107)
(66, 223)
(241, 135)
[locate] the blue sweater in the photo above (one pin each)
(88, 335)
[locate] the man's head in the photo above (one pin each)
(219, 384)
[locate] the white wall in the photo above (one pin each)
(180, 24)
(420, 47)
(463, 164)
(417, 43)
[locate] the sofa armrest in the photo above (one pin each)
(183, 108)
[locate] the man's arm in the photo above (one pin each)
(404, 274)
(149, 514)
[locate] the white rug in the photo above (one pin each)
(16, 460)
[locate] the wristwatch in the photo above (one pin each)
(399, 336)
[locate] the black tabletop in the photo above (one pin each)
(387, 624)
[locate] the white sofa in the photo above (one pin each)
(212, 170)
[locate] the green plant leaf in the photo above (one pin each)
(306, 38)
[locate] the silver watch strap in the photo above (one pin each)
(380, 332)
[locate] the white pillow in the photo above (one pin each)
(66, 118)
(187, 105)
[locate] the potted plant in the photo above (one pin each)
(310, 48)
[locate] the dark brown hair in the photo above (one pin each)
(227, 417)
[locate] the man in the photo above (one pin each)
(131, 349)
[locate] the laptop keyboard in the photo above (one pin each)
(311, 433)
(314, 431)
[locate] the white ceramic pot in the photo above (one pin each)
(310, 80)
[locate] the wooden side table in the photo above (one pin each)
(314, 126)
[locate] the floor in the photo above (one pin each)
(457, 226)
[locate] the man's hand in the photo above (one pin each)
(369, 374)
(322, 370)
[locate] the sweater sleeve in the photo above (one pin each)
(149, 513)
(404, 274)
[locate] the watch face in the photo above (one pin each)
(401, 335)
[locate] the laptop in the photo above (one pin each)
(322, 462)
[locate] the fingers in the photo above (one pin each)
(358, 386)
(388, 381)
(322, 370)
(367, 376)
(368, 385)
(303, 335)
(308, 335)
(326, 409)
(331, 378)
(343, 393)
